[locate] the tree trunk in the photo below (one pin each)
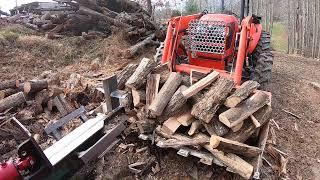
(236, 115)
(212, 100)
(35, 86)
(8, 84)
(133, 50)
(12, 101)
(7, 92)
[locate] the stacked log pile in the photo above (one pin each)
(92, 18)
(207, 117)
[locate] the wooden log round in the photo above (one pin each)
(34, 86)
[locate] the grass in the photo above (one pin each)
(279, 39)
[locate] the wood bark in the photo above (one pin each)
(176, 102)
(174, 143)
(152, 88)
(125, 74)
(7, 92)
(235, 147)
(242, 93)
(139, 77)
(215, 127)
(236, 115)
(165, 94)
(233, 162)
(212, 100)
(248, 128)
(12, 101)
(8, 84)
(139, 97)
(34, 86)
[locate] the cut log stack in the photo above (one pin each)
(92, 19)
(211, 116)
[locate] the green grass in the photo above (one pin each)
(279, 39)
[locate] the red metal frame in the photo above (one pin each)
(249, 36)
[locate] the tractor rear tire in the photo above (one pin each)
(263, 62)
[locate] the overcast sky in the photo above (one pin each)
(6, 5)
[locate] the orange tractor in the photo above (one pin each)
(238, 48)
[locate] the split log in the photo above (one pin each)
(236, 115)
(248, 128)
(8, 84)
(181, 97)
(133, 50)
(125, 74)
(7, 92)
(215, 127)
(176, 102)
(237, 127)
(34, 86)
(255, 121)
(242, 93)
(174, 143)
(208, 106)
(139, 97)
(194, 127)
(185, 119)
(152, 88)
(233, 162)
(139, 77)
(165, 94)
(40, 98)
(12, 101)
(171, 125)
(227, 145)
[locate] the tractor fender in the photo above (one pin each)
(255, 34)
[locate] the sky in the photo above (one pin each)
(6, 5)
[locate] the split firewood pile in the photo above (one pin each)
(203, 115)
(40, 103)
(91, 19)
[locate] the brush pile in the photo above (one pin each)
(90, 19)
(203, 115)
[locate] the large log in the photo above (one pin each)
(34, 86)
(7, 92)
(139, 77)
(236, 115)
(8, 84)
(227, 145)
(133, 50)
(248, 128)
(212, 100)
(125, 74)
(181, 97)
(152, 88)
(242, 93)
(165, 94)
(12, 101)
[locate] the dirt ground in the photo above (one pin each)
(298, 137)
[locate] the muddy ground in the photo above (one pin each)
(298, 137)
